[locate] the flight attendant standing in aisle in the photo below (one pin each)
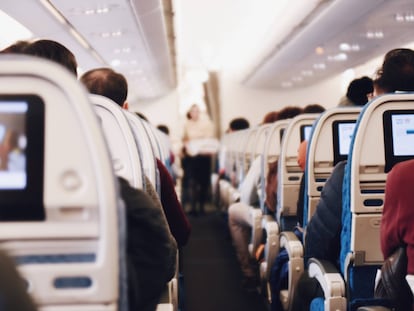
(198, 148)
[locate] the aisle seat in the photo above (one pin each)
(66, 228)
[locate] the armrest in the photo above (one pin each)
(291, 243)
(271, 247)
(257, 230)
(331, 282)
(294, 248)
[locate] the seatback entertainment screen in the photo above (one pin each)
(21, 158)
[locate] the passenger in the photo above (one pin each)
(15, 48)
(13, 291)
(163, 128)
(396, 223)
(53, 51)
(151, 250)
(240, 224)
(313, 108)
(358, 92)
(322, 239)
(198, 167)
(234, 125)
(106, 82)
(238, 124)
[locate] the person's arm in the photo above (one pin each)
(271, 186)
(250, 184)
(151, 249)
(322, 239)
(396, 223)
(177, 220)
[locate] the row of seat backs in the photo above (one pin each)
(242, 147)
(70, 257)
(134, 141)
(372, 153)
(329, 136)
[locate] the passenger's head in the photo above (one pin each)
(313, 108)
(359, 90)
(238, 124)
(271, 117)
(194, 112)
(16, 48)
(289, 112)
(53, 51)
(163, 128)
(108, 83)
(397, 71)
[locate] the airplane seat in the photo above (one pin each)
(263, 144)
(118, 134)
(334, 128)
(66, 226)
(322, 154)
(268, 226)
(289, 172)
(249, 149)
(13, 290)
(381, 132)
(145, 149)
(126, 140)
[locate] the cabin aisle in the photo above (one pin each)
(212, 276)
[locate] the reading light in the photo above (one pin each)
(307, 73)
(287, 84)
(341, 57)
(374, 34)
(319, 66)
(319, 50)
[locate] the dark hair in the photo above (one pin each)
(397, 71)
(289, 112)
(106, 82)
(239, 124)
(16, 48)
(313, 108)
(142, 116)
(271, 117)
(53, 51)
(358, 90)
(163, 128)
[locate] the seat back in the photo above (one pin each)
(271, 152)
(121, 142)
(381, 138)
(63, 229)
(289, 172)
(237, 154)
(328, 144)
(247, 145)
(145, 148)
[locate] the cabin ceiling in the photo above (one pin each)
(134, 37)
(152, 42)
(336, 36)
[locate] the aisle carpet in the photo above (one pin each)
(211, 273)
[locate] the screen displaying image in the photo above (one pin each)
(402, 134)
(345, 132)
(305, 131)
(13, 173)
